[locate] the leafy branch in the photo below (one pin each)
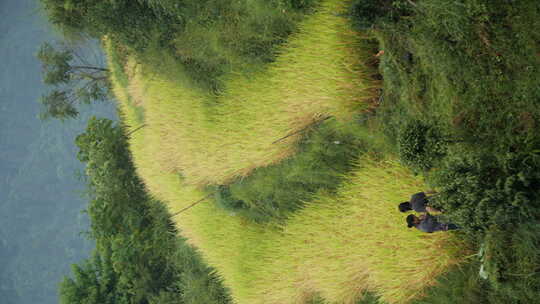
(75, 81)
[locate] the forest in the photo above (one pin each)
(263, 148)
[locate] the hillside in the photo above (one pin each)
(191, 139)
(282, 135)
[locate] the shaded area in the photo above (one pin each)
(209, 38)
(324, 156)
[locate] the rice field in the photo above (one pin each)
(211, 139)
(336, 247)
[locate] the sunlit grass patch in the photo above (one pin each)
(357, 240)
(338, 246)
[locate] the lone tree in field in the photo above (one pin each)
(74, 80)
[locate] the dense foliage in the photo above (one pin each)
(478, 191)
(512, 260)
(420, 145)
(471, 68)
(209, 38)
(75, 81)
(139, 257)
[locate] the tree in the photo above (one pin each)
(93, 282)
(130, 23)
(75, 81)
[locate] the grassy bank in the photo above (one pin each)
(470, 70)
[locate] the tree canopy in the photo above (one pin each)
(138, 257)
(74, 80)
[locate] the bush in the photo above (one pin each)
(420, 145)
(512, 262)
(477, 191)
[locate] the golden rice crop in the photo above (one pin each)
(211, 139)
(338, 245)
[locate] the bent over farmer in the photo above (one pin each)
(429, 223)
(419, 202)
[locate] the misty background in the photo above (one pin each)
(41, 195)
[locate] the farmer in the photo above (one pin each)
(429, 223)
(419, 203)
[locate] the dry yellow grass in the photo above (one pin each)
(136, 85)
(338, 246)
(211, 139)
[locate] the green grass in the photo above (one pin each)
(325, 154)
(470, 68)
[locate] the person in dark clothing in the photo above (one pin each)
(419, 203)
(429, 223)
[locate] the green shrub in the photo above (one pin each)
(420, 145)
(512, 262)
(324, 156)
(477, 191)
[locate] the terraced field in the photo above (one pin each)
(340, 244)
